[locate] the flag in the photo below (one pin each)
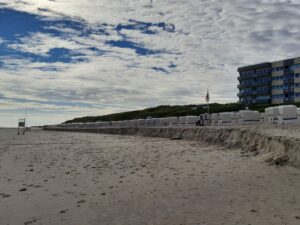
(207, 97)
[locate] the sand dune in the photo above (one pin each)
(85, 178)
(279, 144)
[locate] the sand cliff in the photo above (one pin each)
(277, 145)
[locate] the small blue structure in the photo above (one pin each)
(21, 126)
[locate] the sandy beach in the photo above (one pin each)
(50, 177)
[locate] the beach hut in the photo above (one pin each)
(103, 124)
(287, 114)
(130, 123)
(73, 125)
(98, 124)
(214, 119)
(148, 122)
(141, 122)
(70, 125)
(181, 120)
(272, 114)
(172, 121)
(64, 125)
(89, 125)
(207, 119)
(123, 123)
(204, 120)
(163, 122)
(262, 118)
(77, 125)
(268, 115)
(191, 120)
(126, 123)
(225, 118)
(155, 122)
(135, 123)
(201, 120)
(114, 123)
(249, 117)
(275, 114)
(236, 118)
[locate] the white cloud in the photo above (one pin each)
(211, 39)
(40, 44)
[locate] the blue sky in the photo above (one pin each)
(62, 59)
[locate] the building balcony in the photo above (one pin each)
(263, 83)
(254, 84)
(254, 76)
(288, 91)
(288, 82)
(245, 94)
(263, 92)
(253, 93)
(240, 86)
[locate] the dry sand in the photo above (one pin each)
(90, 179)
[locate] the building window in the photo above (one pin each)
(277, 87)
(276, 69)
(277, 78)
(294, 67)
(265, 97)
(277, 96)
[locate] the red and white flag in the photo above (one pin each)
(207, 97)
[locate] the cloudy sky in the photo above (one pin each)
(61, 59)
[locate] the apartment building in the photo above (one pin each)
(270, 82)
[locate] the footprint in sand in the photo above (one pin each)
(80, 202)
(30, 222)
(63, 211)
(23, 189)
(5, 195)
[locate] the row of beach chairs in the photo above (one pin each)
(287, 114)
(273, 115)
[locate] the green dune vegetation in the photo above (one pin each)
(168, 111)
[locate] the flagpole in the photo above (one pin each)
(207, 100)
(208, 107)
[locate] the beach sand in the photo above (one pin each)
(49, 177)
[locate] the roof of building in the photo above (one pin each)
(256, 66)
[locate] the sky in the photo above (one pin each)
(61, 59)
